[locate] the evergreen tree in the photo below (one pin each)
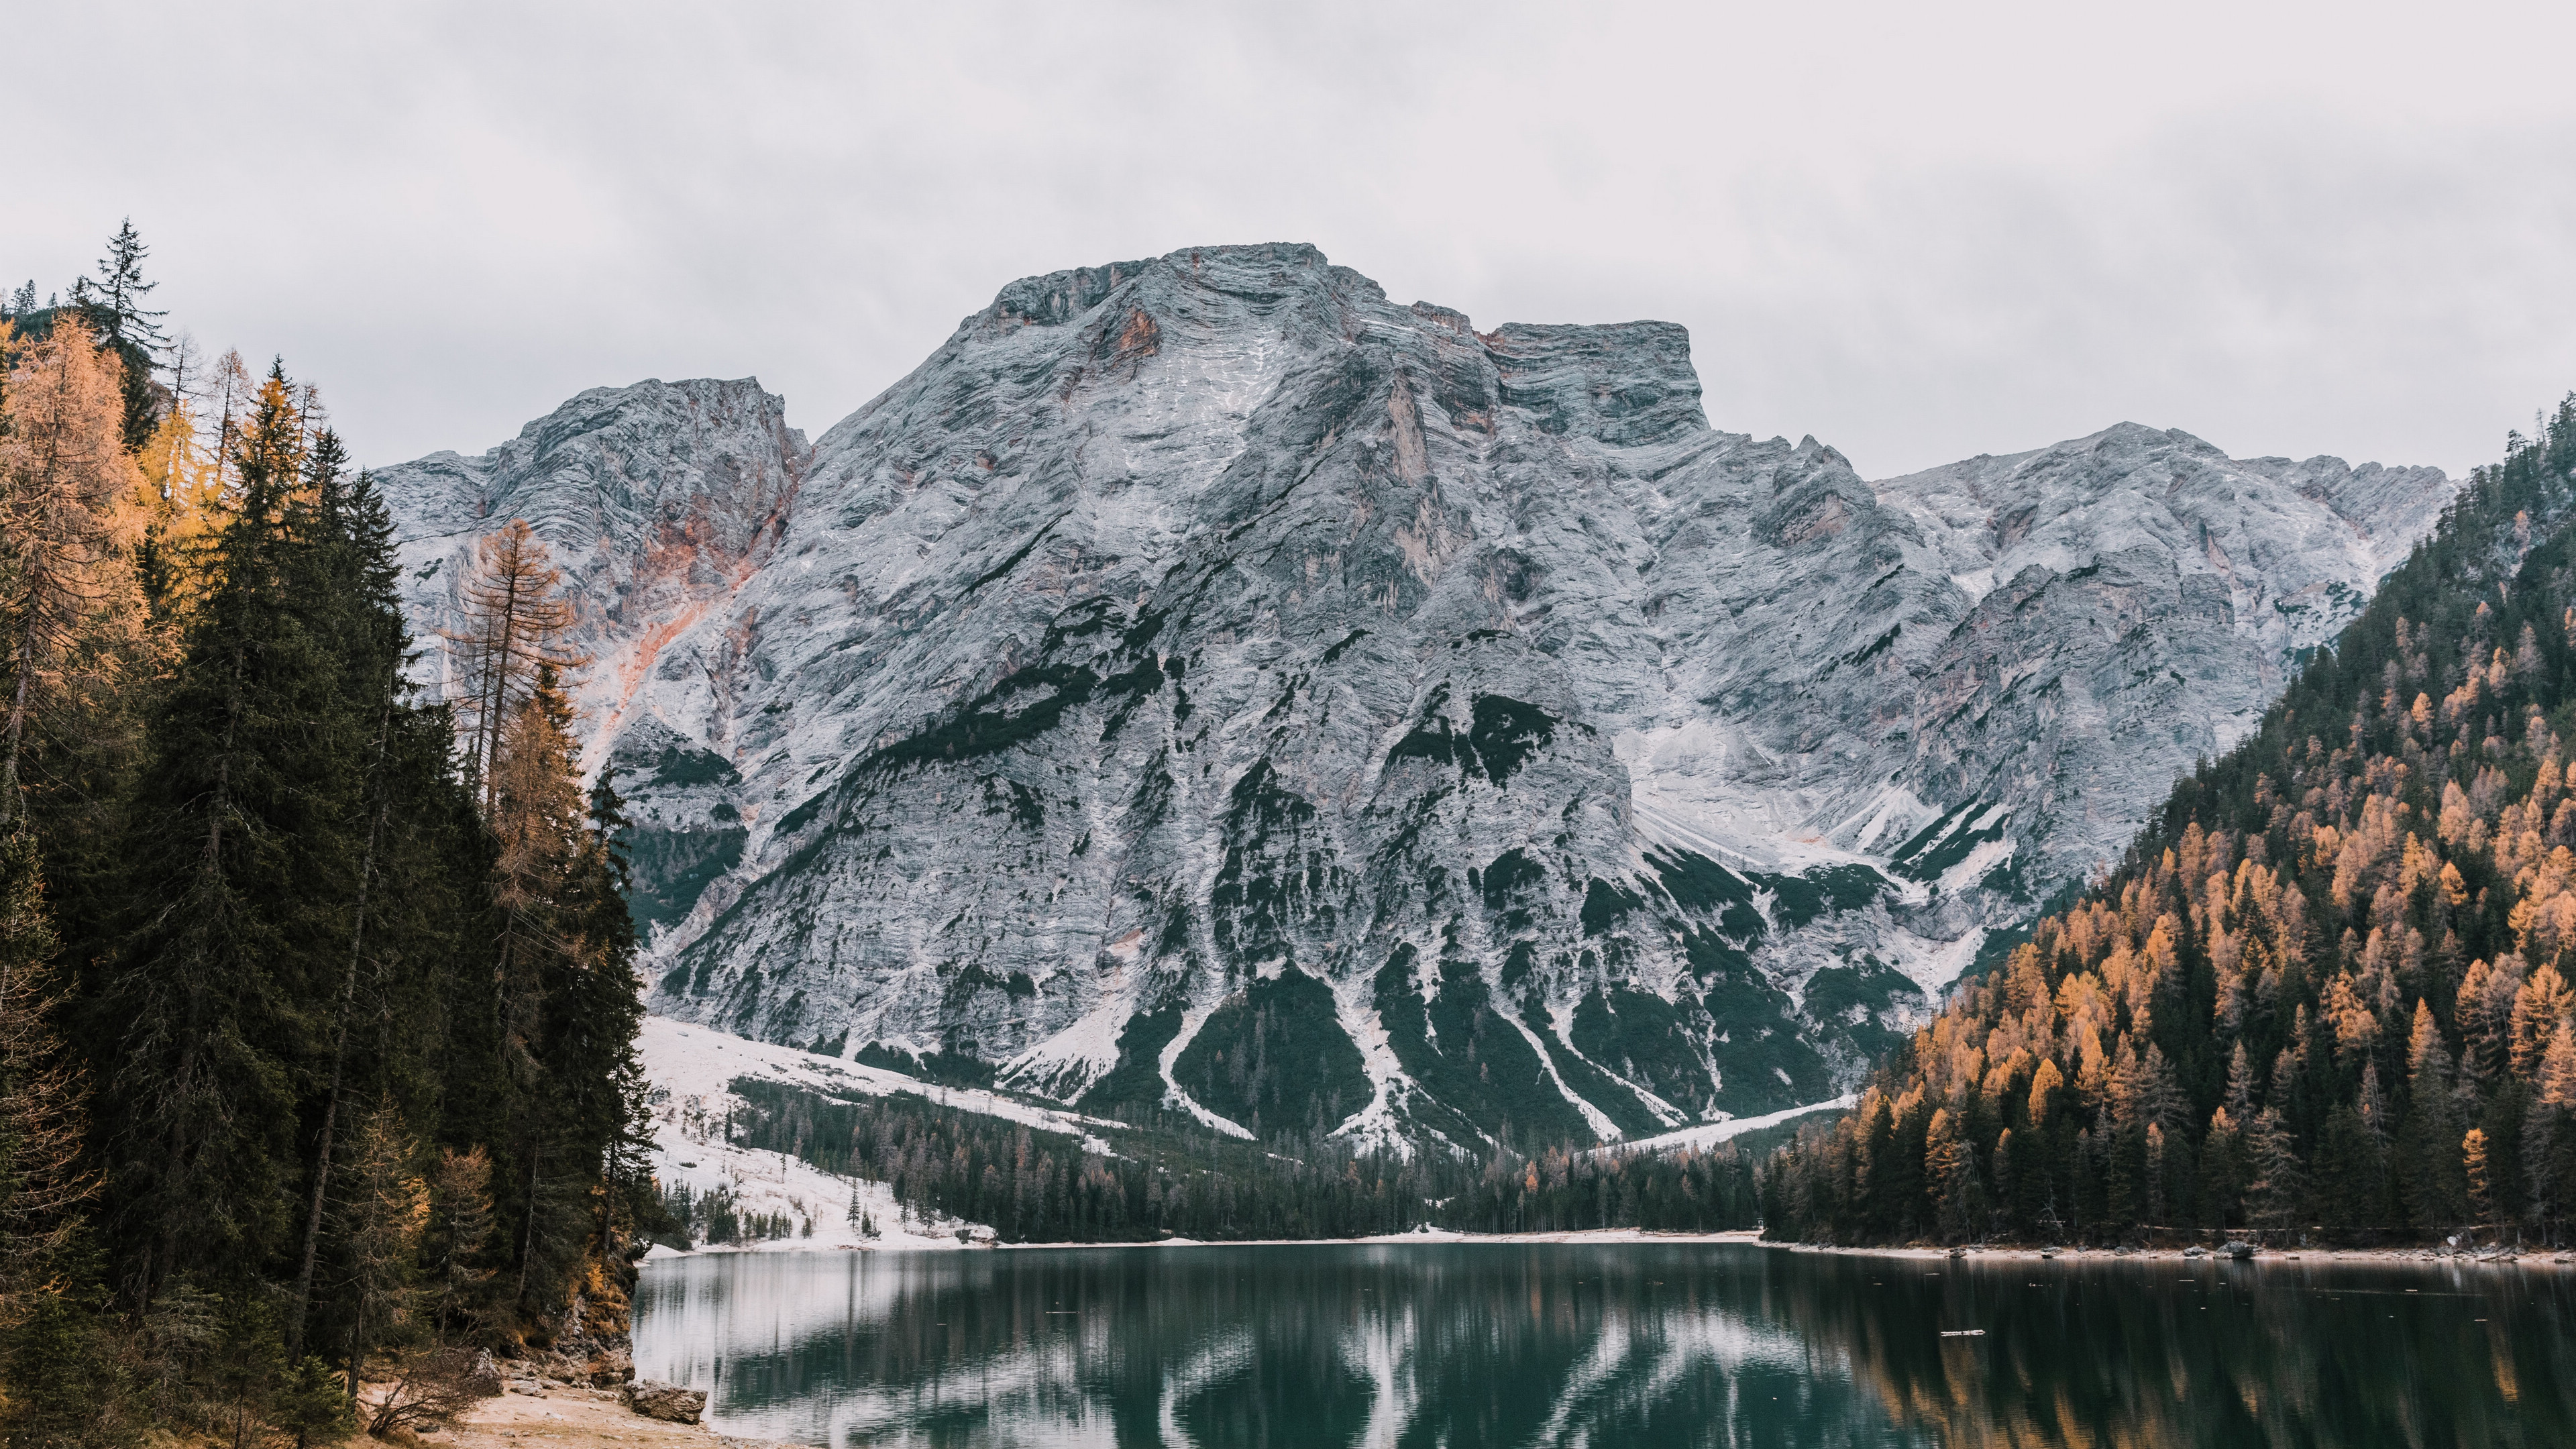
(126, 329)
(42, 1183)
(2436, 1190)
(242, 847)
(119, 292)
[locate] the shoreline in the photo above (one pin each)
(2425, 1257)
(574, 1417)
(1606, 1236)
(2382, 1257)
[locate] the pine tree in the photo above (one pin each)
(371, 643)
(120, 289)
(126, 330)
(2436, 1192)
(312, 1406)
(241, 847)
(2276, 1192)
(42, 1182)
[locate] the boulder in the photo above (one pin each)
(668, 1402)
(608, 1369)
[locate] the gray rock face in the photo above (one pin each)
(658, 502)
(1206, 682)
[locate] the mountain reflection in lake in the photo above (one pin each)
(1603, 1345)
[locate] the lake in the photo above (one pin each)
(1493, 1344)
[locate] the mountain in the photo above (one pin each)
(2326, 986)
(1204, 681)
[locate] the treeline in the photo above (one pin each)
(1029, 1186)
(717, 1216)
(1573, 1189)
(1172, 1178)
(2328, 985)
(316, 1012)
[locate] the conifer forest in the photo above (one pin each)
(316, 1007)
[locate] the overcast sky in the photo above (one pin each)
(1917, 232)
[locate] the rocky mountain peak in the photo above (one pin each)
(1203, 682)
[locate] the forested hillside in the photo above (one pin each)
(2327, 987)
(315, 1028)
(1172, 1177)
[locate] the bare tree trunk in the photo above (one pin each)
(10, 809)
(528, 1228)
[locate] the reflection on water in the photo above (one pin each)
(1464, 1345)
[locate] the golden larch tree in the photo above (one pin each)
(510, 631)
(69, 517)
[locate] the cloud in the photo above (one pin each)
(1915, 232)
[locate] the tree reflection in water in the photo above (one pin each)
(1531, 1344)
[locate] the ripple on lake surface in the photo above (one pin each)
(1605, 1345)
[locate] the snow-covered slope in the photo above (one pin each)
(694, 1070)
(1206, 680)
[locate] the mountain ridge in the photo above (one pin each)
(1467, 718)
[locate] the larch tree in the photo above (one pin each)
(69, 516)
(459, 1241)
(510, 632)
(563, 1005)
(549, 957)
(2436, 1192)
(230, 397)
(183, 493)
(384, 1217)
